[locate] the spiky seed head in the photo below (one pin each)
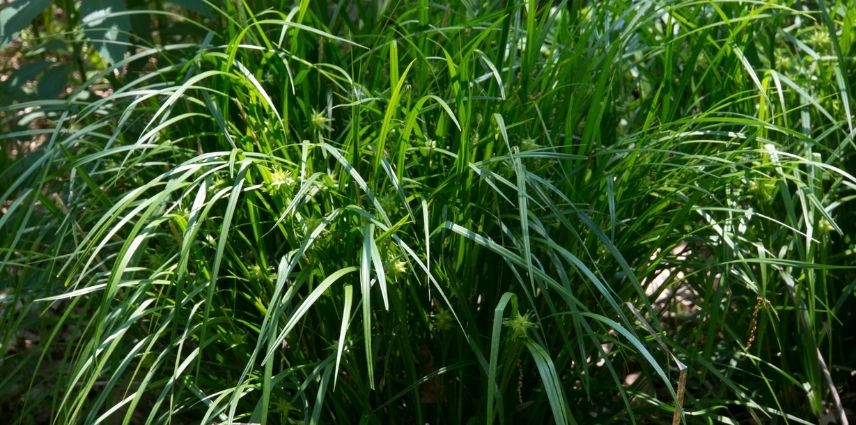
(519, 324)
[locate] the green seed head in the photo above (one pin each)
(519, 325)
(443, 320)
(319, 121)
(281, 177)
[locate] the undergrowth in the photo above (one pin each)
(415, 212)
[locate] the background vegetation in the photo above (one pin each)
(414, 212)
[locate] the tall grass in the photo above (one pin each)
(412, 212)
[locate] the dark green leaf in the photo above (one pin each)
(18, 15)
(13, 88)
(52, 82)
(107, 27)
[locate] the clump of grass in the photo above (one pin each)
(333, 212)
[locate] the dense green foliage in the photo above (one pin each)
(413, 212)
